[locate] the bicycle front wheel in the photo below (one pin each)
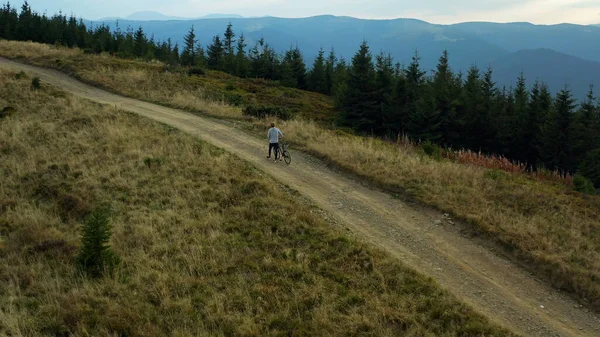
(287, 157)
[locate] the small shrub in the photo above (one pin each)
(267, 111)
(20, 75)
(494, 174)
(230, 86)
(343, 131)
(6, 111)
(153, 162)
(431, 149)
(35, 83)
(583, 185)
(96, 256)
(590, 167)
(234, 99)
(196, 71)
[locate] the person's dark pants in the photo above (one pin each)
(276, 147)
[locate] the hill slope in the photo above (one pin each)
(487, 200)
(208, 245)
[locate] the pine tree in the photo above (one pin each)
(359, 99)
(317, 78)
(24, 29)
(294, 69)
(557, 152)
(255, 59)
(9, 20)
(384, 85)
(425, 124)
(340, 79)
(442, 89)
(286, 75)
(96, 256)
(175, 58)
(241, 60)
(139, 43)
(533, 124)
(414, 88)
(189, 53)
(394, 117)
(330, 72)
(230, 49)
(470, 115)
(520, 142)
(585, 128)
(505, 122)
(590, 167)
(216, 54)
(490, 115)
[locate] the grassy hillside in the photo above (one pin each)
(214, 93)
(551, 229)
(209, 247)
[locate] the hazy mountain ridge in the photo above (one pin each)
(157, 16)
(575, 73)
(479, 43)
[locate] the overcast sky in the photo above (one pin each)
(434, 11)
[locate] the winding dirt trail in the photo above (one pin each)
(491, 284)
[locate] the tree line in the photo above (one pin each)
(373, 94)
(29, 25)
(529, 125)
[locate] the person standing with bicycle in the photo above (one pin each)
(274, 135)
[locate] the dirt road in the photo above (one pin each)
(493, 285)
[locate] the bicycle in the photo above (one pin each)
(285, 153)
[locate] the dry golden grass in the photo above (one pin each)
(208, 246)
(155, 82)
(144, 80)
(549, 228)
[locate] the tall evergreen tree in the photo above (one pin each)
(557, 152)
(9, 20)
(24, 30)
(384, 85)
(329, 72)
(415, 79)
(506, 116)
(241, 60)
(175, 55)
(139, 43)
(586, 129)
(339, 81)
(359, 99)
(489, 111)
(230, 49)
(317, 78)
(533, 124)
(394, 117)
(471, 115)
(216, 54)
(442, 89)
(519, 123)
(294, 69)
(189, 53)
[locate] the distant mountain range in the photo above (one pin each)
(156, 16)
(557, 54)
